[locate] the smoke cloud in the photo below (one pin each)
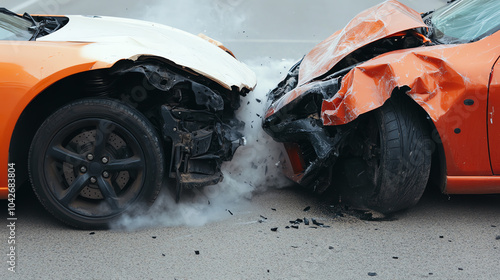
(215, 18)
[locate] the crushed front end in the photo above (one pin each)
(196, 118)
(296, 115)
(294, 119)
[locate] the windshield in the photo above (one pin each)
(466, 21)
(14, 28)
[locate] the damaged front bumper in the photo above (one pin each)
(196, 119)
(293, 118)
(200, 142)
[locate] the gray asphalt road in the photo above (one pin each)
(441, 238)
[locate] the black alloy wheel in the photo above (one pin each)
(94, 159)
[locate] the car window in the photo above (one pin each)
(466, 20)
(14, 28)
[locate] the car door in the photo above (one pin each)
(493, 117)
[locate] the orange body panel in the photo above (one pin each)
(22, 79)
(472, 184)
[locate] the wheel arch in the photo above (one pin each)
(437, 177)
(91, 83)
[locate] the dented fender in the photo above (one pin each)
(440, 80)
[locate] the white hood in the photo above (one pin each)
(118, 38)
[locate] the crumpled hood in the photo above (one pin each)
(113, 39)
(383, 20)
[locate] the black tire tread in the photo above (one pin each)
(406, 161)
(116, 107)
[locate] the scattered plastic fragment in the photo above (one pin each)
(274, 229)
(197, 252)
(307, 208)
(306, 221)
(316, 222)
(229, 211)
(372, 274)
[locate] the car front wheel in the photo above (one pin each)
(94, 159)
(391, 160)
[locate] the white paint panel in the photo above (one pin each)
(118, 38)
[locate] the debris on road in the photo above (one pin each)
(316, 222)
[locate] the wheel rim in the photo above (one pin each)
(94, 167)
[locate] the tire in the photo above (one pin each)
(392, 169)
(86, 182)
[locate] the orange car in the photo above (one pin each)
(393, 101)
(100, 111)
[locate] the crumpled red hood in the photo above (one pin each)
(383, 20)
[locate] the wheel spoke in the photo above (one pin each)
(128, 164)
(74, 189)
(104, 129)
(65, 155)
(108, 192)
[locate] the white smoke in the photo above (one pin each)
(215, 18)
(254, 167)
